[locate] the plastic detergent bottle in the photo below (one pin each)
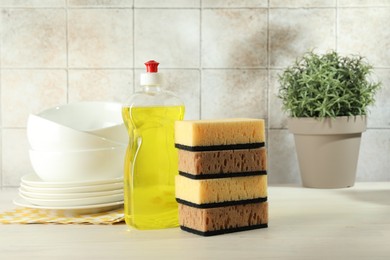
(151, 159)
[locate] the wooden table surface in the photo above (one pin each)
(351, 223)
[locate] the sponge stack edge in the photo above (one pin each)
(222, 182)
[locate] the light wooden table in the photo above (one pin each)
(304, 224)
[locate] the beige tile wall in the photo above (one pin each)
(221, 56)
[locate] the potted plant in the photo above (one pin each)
(326, 97)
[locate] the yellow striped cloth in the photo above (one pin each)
(43, 216)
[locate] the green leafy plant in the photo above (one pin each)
(327, 85)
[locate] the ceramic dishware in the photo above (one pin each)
(85, 116)
(78, 166)
(46, 135)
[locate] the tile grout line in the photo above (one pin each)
(140, 68)
(200, 58)
(268, 72)
(195, 8)
(336, 25)
(67, 50)
(368, 128)
(1, 95)
(133, 67)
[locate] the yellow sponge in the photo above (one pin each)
(222, 134)
(226, 191)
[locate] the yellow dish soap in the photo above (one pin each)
(151, 159)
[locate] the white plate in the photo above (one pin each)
(69, 211)
(34, 181)
(73, 202)
(102, 187)
(38, 195)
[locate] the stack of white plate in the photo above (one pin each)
(77, 152)
(93, 196)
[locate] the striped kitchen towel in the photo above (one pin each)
(23, 215)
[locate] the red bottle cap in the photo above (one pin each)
(151, 66)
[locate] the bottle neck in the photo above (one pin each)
(151, 88)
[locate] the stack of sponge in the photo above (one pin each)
(222, 181)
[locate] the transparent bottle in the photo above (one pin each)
(151, 157)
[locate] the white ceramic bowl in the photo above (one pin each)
(46, 135)
(116, 133)
(78, 166)
(86, 116)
